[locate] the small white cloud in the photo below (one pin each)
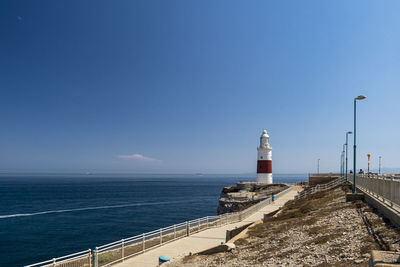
(138, 157)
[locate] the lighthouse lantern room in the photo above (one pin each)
(264, 162)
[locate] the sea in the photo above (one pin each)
(43, 216)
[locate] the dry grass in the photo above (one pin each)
(296, 213)
(311, 222)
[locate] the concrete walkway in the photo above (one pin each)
(202, 240)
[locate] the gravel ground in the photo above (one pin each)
(320, 230)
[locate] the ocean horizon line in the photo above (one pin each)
(138, 173)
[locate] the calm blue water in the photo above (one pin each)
(45, 216)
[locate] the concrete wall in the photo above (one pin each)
(321, 178)
(234, 232)
(392, 214)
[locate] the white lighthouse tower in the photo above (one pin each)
(264, 162)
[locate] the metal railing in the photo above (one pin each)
(79, 259)
(319, 188)
(109, 254)
(384, 188)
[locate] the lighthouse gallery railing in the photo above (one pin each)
(120, 250)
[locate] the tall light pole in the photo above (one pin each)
(318, 166)
(380, 164)
(343, 160)
(360, 97)
(347, 145)
(369, 161)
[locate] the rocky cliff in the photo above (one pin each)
(244, 194)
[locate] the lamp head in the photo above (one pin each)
(360, 97)
(349, 132)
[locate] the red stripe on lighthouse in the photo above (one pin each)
(264, 166)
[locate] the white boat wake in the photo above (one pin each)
(90, 208)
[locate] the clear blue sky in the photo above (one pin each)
(188, 86)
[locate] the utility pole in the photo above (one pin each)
(318, 166)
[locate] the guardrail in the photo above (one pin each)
(79, 259)
(109, 254)
(384, 188)
(319, 188)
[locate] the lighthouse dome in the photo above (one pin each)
(264, 140)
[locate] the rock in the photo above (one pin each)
(366, 255)
(358, 261)
(245, 194)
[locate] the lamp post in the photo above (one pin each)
(369, 161)
(380, 164)
(341, 163)
(343, 157)
(318, 166)
(347, 145)
(360, 97)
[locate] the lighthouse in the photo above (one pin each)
(264, 161)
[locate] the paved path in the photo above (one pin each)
(202, 240)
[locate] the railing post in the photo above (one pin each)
(199, 224)
(174, 231)
(207, 222)
(187, 229)
(90, 257)
(144, 242)
(160, 236)
(96, 257)
(122, 249)
(54, 262)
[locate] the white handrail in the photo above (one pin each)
(62, 258)
(320, 187)
(385, 188)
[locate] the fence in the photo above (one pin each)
(320, 187)
(79, 259)
(385, 188)
(120, 250)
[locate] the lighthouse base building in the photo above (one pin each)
(264, 160)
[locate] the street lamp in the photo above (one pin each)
(342, 163)
(347, 145)
(318, 166)
(360, 97)
(380, 164)
(343, 159)
(369, 161)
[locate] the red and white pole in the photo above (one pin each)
(264, 161)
